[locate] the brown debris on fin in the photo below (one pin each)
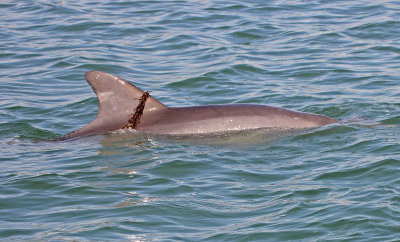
(134, 121)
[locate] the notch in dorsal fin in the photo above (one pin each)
(117, 100)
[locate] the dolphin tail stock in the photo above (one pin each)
(117, 101)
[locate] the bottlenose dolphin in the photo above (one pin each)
(124, 106)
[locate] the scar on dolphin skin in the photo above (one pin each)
(134, 121)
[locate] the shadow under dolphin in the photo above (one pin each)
(124, 106)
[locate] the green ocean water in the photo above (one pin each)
(336, 58)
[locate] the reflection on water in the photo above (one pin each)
(136, 155)
(122, 150)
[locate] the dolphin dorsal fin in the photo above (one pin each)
(113, 90)
(117, 100)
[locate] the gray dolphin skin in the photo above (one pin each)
(118, 100)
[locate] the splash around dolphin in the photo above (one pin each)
(124, 106)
